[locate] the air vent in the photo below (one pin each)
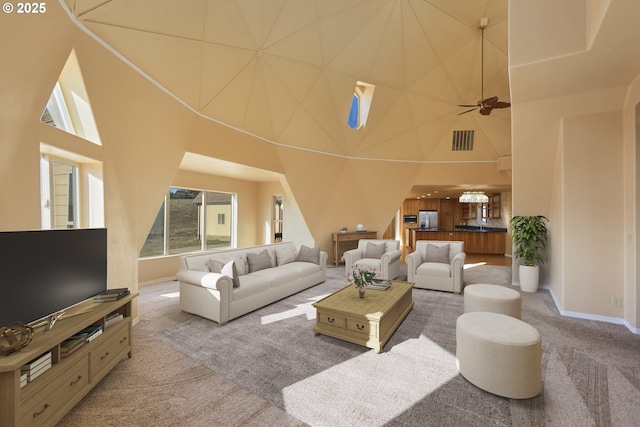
(462, 140)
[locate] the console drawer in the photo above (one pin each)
(62, 392)
(116, 343)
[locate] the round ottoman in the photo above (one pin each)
(492, 298)
(499, 354)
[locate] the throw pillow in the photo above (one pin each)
(374, 250)
(214, 265)
(285, 255)
(229, 269)
(437, 253)
(259, 261)
(307, 254)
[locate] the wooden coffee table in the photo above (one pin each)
(368, 321)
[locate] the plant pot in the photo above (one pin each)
(529, 277)
(361, 292)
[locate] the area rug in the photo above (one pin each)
(328, 382)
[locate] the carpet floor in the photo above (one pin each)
(268, 368)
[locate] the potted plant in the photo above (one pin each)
(361, 277)
(530, 238)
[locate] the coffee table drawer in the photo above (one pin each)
(331, 319)
(359, 326)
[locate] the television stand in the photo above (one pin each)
(48, 397)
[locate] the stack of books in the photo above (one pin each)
(113, 318)
(379, 285)
(35, 368)
(89, 333)
(111, 295)
(71, 345)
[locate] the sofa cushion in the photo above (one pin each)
(251, 284)
(229, 269)
(437, 253)
(375, 250)
(434, 269)
(301, 268)
(215, 266)
(259, 261)
(285, 255)
(307, 254)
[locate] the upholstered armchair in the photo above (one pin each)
(383, 255)
(437, 265)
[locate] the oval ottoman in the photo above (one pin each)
(492, 298)
(499, 354)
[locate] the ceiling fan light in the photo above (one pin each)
(473, 197)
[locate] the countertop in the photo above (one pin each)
(468, 228)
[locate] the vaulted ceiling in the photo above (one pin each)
(285, 70)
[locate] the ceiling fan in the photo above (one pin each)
(486, 105)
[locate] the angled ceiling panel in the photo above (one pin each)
(297, 77)
(220, 65)
(304, 46)
(282, 102)
(258, 113)
(419, 57)
(388, 65)
(320, 103)
(304, 131)
(179, 19)
(260, 17)
(403, 145)
(445, 33)
(294, 16)
(437, 84)
(173, 62)
(225, 25)
(230, 104)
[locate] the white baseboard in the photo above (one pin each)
(156, 281)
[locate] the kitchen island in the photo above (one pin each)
(477, 240)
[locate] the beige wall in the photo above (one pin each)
(574, 148)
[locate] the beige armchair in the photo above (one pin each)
(383, 255)
(437, 265)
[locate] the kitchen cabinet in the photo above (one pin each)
(410, 207)
(469, 210)
(494, 206)
(428, 204)
(475, 242)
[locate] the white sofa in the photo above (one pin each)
(429, 269)
(386, 262)
(213, 295)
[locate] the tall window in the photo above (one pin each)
(59, 194)
(278, 210)
(191, 220)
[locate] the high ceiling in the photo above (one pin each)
(285, 70)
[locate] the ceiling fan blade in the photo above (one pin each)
(467, 105)
(489, 101)
(485, 111)
(468, 111)
(501, 105)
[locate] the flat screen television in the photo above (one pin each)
(43, 272)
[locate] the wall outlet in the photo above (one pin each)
(616, 301)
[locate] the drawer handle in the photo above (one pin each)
(105, 355)
(36, 414)
(123, 340)
(359, 326)
(330, 319)
(73, 382)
